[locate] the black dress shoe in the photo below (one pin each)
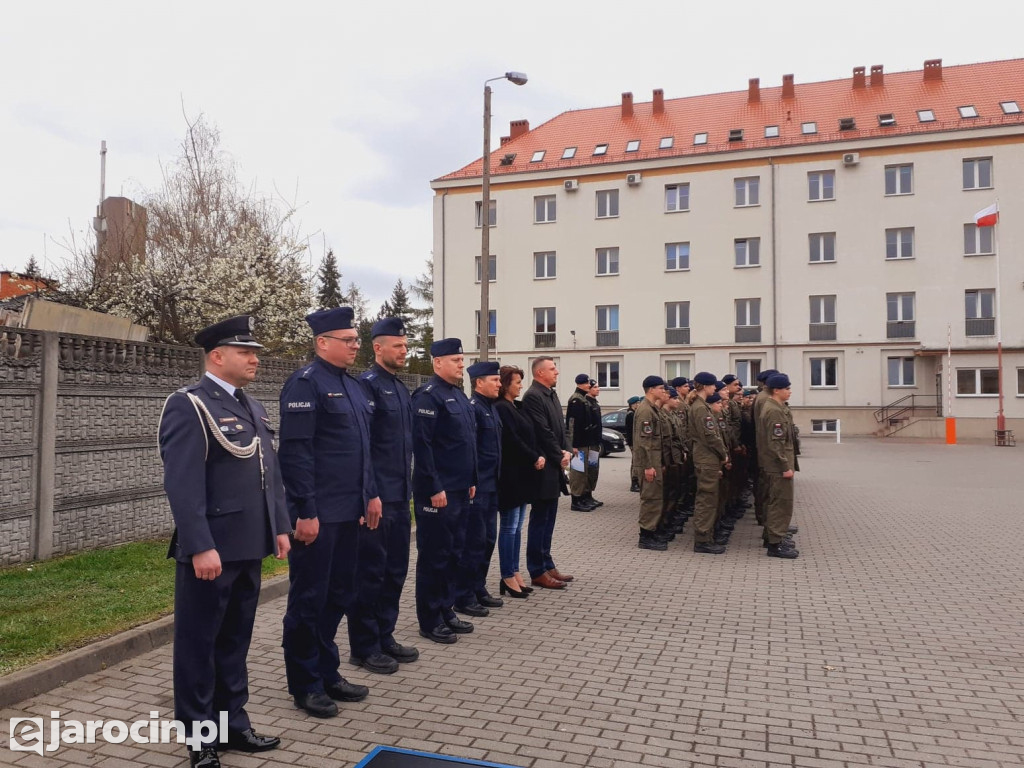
(375, 662)
(473, 609)
(594, 502)
(490, 601)
(343, 690)
(317, 704)
(403, 654)
(708, 548)
(250, 741)
(204, 758)
(579, 506)
(440, 634)
(458, 626)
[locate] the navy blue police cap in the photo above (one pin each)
(484, 368)
(778, 381)
(443, 347)
(729, 378)
(653, 381)
(388, 326)
(234, 332)
(327, 320)
(582, 378)
(713, 398)
(680, 381)
(704, 379)
(763, 375)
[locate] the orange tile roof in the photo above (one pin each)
(983, 85)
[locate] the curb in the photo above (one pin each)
(95, 657)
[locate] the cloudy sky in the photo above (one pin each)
(349, 110)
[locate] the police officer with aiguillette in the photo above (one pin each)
(332, 491)
(224, 486)
(384, 552)
(443, 482)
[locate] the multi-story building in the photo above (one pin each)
(823, 229)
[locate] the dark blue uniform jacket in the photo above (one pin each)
(391, 429)
(444, 439)
(488, 444)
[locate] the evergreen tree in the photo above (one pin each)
(398, 305)
(423, 288)
(354, 298)
(329, 293)
(32, 268)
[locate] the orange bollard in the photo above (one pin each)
(950, 431)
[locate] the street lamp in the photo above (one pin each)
(518, 78)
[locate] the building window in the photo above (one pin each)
(1009, 107)
(967, 111)
(492, 327)
(926, 115)
(608, 374)
(978, 173)
(901, 371)
(748, 320)
(823, 318)
(824, 372)
(748, 252)
(607, 261)
(544, 265)
(600, 149)
(700, 138)
(821, 185)
(747, 191)
(808, 128)
(607, 203)
(978, 241)
(544, 327)
(899, 315)
(544, 208)
(886, 120)
(494, 212)
(677, 257)
(747, 370)
(822, 247)
(492, 268)
(899, 179)
(538, 156)
(899, 243)
(666, 142)
(676, 368)
(677, 322)
(824, 426)
(633, 145)
(569, 153)
(980, 312)
(977, 382)
(771, 131)
(1020, 382)
(608, 326)
(677, 197)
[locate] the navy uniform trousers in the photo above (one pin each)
(440, 539)
(481, 536)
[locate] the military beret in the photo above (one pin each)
(443, 347)
(582, 378)
(671, 391)
(704, 378)
(327, 320)
(653, 381)
(634, 399)
(593, 382)
(778, 381)
(388, 326)
(713, 398)
(233, 332)
(484, 368)
(719, 386)
(680, 381)
(763, 375)
(729, 378)
(749, 391)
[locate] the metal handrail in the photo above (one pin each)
(898, 408)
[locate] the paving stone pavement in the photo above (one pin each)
(896, 639)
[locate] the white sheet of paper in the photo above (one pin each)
(576, 462)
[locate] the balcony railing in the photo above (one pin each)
(490, 341)
(981, 326)
(677, 335)
(899, 329)
(822, 332)
(746, 334)
(607, 338)
(543, 340)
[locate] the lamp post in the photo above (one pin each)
(518, 78)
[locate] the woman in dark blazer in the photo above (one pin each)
(521, 462)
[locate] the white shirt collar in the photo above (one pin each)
(229, 388)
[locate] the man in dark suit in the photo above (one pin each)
(541, 405)
(224, 486)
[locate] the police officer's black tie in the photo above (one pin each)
(240, 396)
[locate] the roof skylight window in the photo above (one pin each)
(700, 138)
(569, 153)
(771, 131)
(666, 142)
(808, 128)
(601, 149)
(538, 156)
(967, 111)
(633, 146)
(736, 134)
(1010, 107)
(847, 123)
(887, 120)
(926, 115)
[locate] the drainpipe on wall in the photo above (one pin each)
(775, 293)
(444, 293)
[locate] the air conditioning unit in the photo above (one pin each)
(633, 179)
(571, 185)
(851, 158)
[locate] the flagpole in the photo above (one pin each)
(1000, 418)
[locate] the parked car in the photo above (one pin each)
(615, 420)
(611, 441)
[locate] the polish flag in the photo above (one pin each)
(987, 217)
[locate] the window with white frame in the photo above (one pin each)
(824, 426)
(771, 131)
(978, 173)
(608, 317)
(822, 247)
(899, 243)
(538, 156)
(666, 142)
(821, 185)
(1010, 107)
(677, 257)
(748, 252)
(747, 191)
(676, 368)
(544, 209)
(747, 370)
(899, 179)
(900, 371)
(823, 309)
(926, 115)
(968, 110)
(979, 241)
(607, 261)
(633, 145)
(544, 319)
(544, 265)
(980, 312)
(700, 138)
(977, 382)
(493, 218)
(808, 127)
(492, 322)
(677, 198)
(607, 203)
(608, 374)
(748, 312)
(492, 268)
(677, 314)
(569, 153)
(824, 372)
(899, 307)
(601, 149)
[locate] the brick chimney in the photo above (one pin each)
(933, 69)
(505, 140)
(658, 106)
(788, 89)
(877, 76)
(627, 105)
(753, 90)
(858, 77)
(517, 128)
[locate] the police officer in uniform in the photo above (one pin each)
(443, 483)
(384, 552)
(328, 473)
(709, 458)
(648, 435)
(778, 464)
(223, 483)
